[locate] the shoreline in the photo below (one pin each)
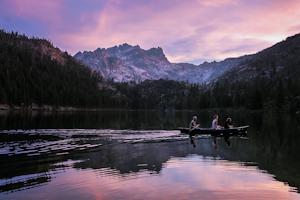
(35, 107)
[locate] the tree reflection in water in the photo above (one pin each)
(272, 147)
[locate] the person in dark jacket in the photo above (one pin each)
(227, 123)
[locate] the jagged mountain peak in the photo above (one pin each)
(156, 52)
(126, 63)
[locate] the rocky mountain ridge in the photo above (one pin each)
(126, 63)
(281, 61)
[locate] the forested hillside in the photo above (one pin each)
(33, 71)
(269, 81)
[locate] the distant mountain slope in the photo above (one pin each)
(127, 63)
(282, 60)
(269, 81)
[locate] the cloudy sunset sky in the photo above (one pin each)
(187, 30)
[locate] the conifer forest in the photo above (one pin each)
(29, 74)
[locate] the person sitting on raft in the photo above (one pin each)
(214, 124)
(227, 123)
(193, 124)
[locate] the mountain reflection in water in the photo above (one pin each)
(147, 164)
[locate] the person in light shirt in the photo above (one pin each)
(214, 124)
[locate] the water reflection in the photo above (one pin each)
(116, 163)
(190, 177)
(226, 139)
(24, 183)
(27, 119)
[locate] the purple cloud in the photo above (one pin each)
(188, 31)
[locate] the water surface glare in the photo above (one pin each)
(181, 178)
(140, 155)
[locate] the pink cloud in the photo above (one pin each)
(217, 2)
(34, 9)
(203, 29)
(186, 30)
(294, 29)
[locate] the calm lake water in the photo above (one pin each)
(141, 155)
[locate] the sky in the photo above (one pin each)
(191, 31)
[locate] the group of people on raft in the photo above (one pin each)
(214, 124)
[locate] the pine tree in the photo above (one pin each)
(280, 95)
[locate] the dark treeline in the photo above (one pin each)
(28, 74)
(261, 94)
(269, 81)
(268, 95)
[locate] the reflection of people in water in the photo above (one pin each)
(227, 123)
(193, 141)
(215, 143)
(214, 124)
(193, 124)
(227, 141)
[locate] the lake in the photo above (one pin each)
(141, 155)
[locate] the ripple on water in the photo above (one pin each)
(37, 142)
